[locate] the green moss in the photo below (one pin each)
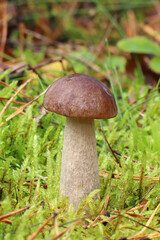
(32, 151)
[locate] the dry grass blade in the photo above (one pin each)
(137, 236)
(22, 108)
(13, 213)
(22, 113)
(133, 214)
(153, 235)
(7, 85)
(3, 25)
(35, 234)
(7, 221)
(56, 224)
(65, 230)
(150, 31)
(142, 205)
(4, 84)
(14, 95)
(6, 100)
(117, 176)
(105, 205)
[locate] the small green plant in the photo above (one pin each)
(142, 45)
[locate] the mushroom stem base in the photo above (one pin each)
(79, 169)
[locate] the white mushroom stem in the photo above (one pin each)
(79, 170)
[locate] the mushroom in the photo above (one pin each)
(81, 98)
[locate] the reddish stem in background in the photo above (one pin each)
(112, 151)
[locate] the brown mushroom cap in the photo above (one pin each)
(80, 96)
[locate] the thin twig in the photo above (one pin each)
(7, 221)
(35, 234)
(13, 213)
(22, 108)
(6, 100)
(7, 85)
(27, 66)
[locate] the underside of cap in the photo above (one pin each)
(80, 96)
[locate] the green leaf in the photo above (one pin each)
(139, 45)
(155, 64)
